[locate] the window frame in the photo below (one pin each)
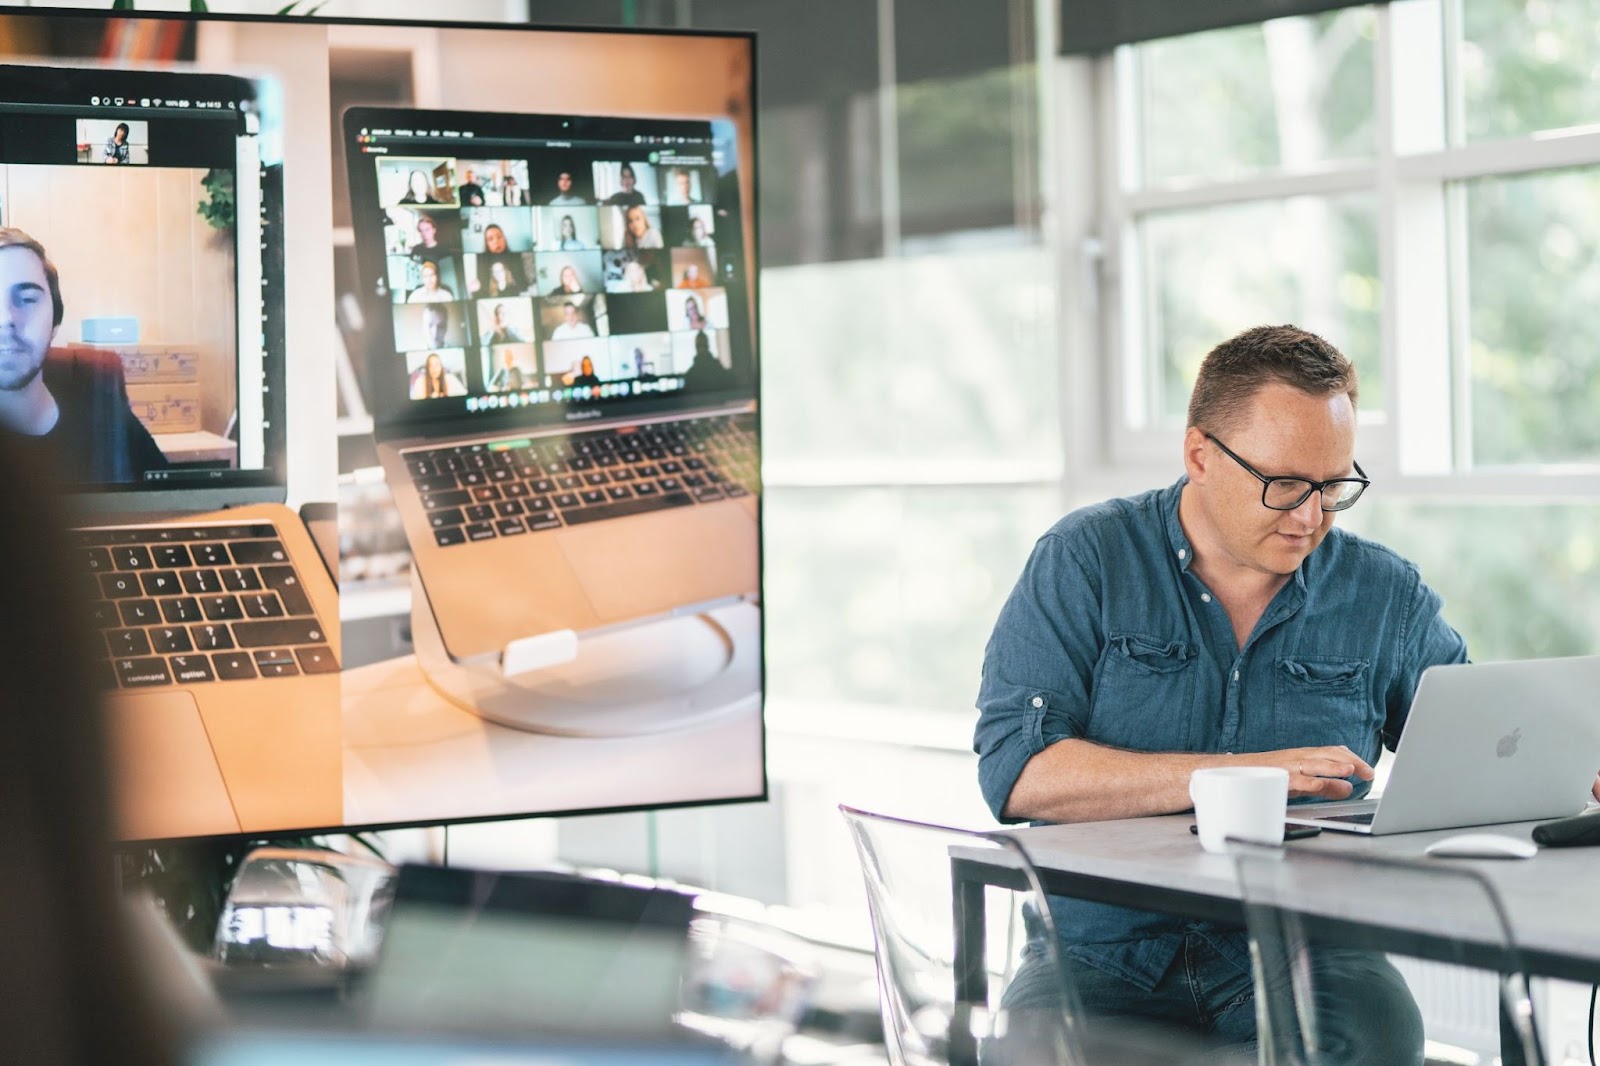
(1418, 444)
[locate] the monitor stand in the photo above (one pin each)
(654, 677)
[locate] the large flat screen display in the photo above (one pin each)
(552, 235)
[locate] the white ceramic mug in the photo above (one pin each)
(1247, 802)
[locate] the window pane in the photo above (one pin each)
(969, 152)
(938, 357)
(1210, 274)
(1519, 581)
(1289, 93)
(1533, 247)
(1529, 65)
(888, 595)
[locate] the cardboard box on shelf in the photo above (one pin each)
(146, 364)
(166, 407)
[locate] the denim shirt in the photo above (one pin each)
(1110, 637)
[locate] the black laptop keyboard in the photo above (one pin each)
(187, 604)
(475, 492)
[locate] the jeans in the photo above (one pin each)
(1365, 1013)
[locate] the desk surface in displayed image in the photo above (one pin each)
(412, 755)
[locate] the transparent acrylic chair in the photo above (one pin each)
(1294, 902)
(913, 899)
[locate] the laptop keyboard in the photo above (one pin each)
(186, 604)
(475, 492)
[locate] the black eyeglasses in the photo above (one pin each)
(1287, 493)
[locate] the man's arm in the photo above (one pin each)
(1081, 781)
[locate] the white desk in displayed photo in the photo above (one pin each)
(1156, 864)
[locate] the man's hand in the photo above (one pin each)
(1596, 788)
(1319, 771)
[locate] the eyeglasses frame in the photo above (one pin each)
(1316, 486)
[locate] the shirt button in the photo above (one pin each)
(1206, 596)
(1183, 552)
(1038, 701)
(1236, 675)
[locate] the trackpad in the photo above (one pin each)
(166, 778)
(630, 567)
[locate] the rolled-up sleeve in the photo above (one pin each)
(1038, 666)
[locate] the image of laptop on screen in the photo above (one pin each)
(1484, 743)
(561, 366)
(144, 356)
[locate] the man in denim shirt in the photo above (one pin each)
(1221, 621)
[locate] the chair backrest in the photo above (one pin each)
(1007, 999)
(1298, 900)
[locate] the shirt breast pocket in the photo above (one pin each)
(1142, 694)
(1321, 700)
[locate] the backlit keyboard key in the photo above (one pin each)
(142, 673)
(318, 660)
(132, 557)
(169, 640)
(277, 662)
(286, 631)
(259, 552)
(211, 638)
(127, 643)
(184, 609)
(221, 608)
(188, 669)
(234, 666)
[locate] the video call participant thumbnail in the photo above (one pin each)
(626, 184)
(432, 286)
(571, 319)
(426, 182)
(74, 401)
(492, 182)
(568, 229)
(567, 184)
(510, 367)
(644, 312)
(686, 184)
(641, 356)
(437, 232)
(499, 275)
(635, 271)
(437, 375)
(428, 326)
(692, 227)
(505, 321)
(574, 363)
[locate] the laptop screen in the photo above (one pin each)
(548, 268)
(134, 205)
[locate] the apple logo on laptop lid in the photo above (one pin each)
(1508, 744)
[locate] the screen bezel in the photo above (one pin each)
(190, 499)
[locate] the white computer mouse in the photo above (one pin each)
(1482, 846)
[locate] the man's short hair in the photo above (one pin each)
(1234, 370)
(15, 238)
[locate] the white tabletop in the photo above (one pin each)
(1553, 899)
(410, 755)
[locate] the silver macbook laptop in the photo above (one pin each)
(1485, 743)
(560, 367)
(143, 264)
